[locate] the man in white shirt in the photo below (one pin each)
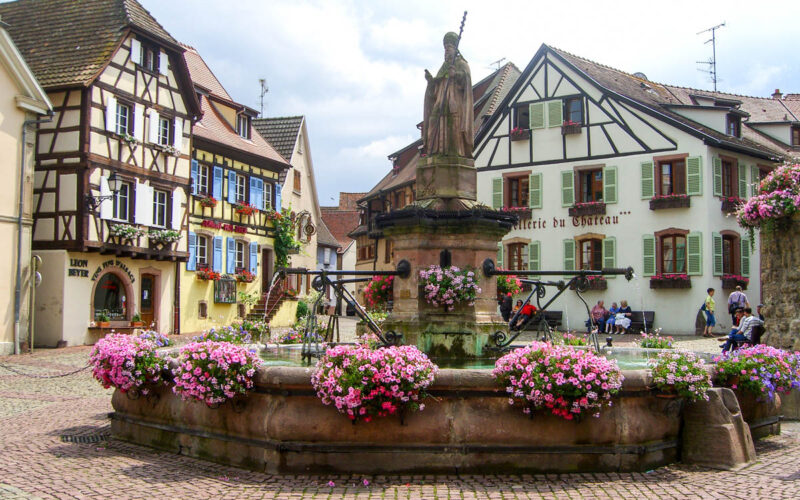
(744, 332)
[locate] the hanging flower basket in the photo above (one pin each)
(520, 134)
(669, 201)
(670, 281)
(570, 128)
(208, 201)
(587, 208)
(244, 208)
(731, 204)
(731, 281)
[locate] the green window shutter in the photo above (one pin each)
(754, 179)
(610, 184)
(649, 255)
(500, 255)
(648, 186)
(536, 115)
(526, 255)
(535, 191)
(694, 176)
(610, 253)
(497, 193)
(742, 181)
(694, 254)
(567, 188)
(717, 247)
(717, 176)
(569, 255)
(555, 113)
(745, 257)
(535, 256)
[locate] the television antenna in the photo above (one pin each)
(264, 89)
(711, 63)
(496, 64)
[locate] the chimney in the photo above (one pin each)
(777, 94)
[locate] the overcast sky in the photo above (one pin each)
(355, 68)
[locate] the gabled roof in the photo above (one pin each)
(324, 236)
(68, 43)
(341, 221)
(281, 132)
(202, 75)
(29, 95)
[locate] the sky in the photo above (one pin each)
(355, 68)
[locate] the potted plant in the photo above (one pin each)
(570, 127)
(587, 208)
(103, 321)
(519, 134)
(663, 201)
(681, 374)
(136, 320)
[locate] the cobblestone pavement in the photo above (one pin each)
(54, 442)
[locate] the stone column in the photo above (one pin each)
(780, 284)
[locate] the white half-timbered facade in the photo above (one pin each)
(608, 169)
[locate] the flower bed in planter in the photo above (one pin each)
(588, 208)
(207, 275)
(208, 201)
(245, 276)
(448, 286)
(244, 208)
(521, 212)
(519, 134)
(670, 201)
(670, 281)
(731, 281)
(731, 204)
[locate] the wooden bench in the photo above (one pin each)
(553, 319)
(642, 321)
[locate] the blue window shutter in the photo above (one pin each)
(254, 192)
(231, 257)
(231, 186)
(216, 190)
(191, 264)
(217, 264)
(277, 197)
(194, 176)
(260, 205)
(254, 257)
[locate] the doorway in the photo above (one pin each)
(147, 300)
(266, 269)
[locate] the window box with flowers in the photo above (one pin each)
(520, 134)
(521, 212)
(569, 127)
(660, 202)
(122, 233)
(670, 281)
(162, 239)
(207, 201)
(595, 283)
(245, 276)
(731, 204)
(206, 274)
(731, 281)
(244, 208)
(587, 208)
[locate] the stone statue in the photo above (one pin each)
(447, 126)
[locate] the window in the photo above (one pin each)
(149, 58)
(124, 125)
(671, 177)
(518, 191)
(573, 110)
(733, 125)
(202, 309)
(110, 298)
(326, 255)
(243, 126)
(268, 197)
(730, 179)
(122, 203)
(673, 254)
(590, 254)
(730, 247)
(165, 131)
(296, 181)
(240, 255)
(590, 185)
(202, 179)
(159, 208)
(522, 117)
(399, 199)
(795, 136)
(516, 257)
(388, 250)
(201, 251)
(240, 189)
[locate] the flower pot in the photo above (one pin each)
(137, 323)
(588, 209)
(664, 203)
(103, 324)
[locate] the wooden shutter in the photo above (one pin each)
(610, 253)
(648, 255)
(497, 193)
(745, 244)
(535, 256)
(111, 113)
(742, 181)
(536, 115)
(277, 197)
(717, 171)
(694, 254)
(755, 179)
(216, 183)
(163, 62)
(136, 51)
(152, 133)
(194, 171)
(230, 257)
(648, 184)
(231, 186)
(500, 255)
(107, 205)
(177, 135)
(526, 255)
(569, 255)
(610, 184)
(555, 113)
(255, 193)
(694, 176)
(216, 265)
(138, 122)
(144, 204)
(191, 264)
(567, 188)
(253, 261)
(177, 208)
(535, 190)
(716, 239)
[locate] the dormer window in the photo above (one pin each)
(796, 135)
(243, 126)
(149, 58)
(733, 125)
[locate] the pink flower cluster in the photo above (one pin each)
(667, 277)
(654, 341)
(508, 284)
(682, 372)
(214, 372)
(736, 277)
(378, 291)
(126, 362)
(761, 370)
(670, 197)
(567, 381)
(448, 286)
(363, 383)
(778, 196)
(582, 204)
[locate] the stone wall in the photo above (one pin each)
(780, 278)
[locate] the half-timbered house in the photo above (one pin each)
(236, 186)
(112, 168)
(609, 169)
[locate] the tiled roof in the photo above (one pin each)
(340, 223)
(324, 236)
(281, 132)
(69, 42)
(202, 74)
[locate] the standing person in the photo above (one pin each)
(612, 317)
(505, 307)
(623, 319)
(711, 320)
(599, 313)
(760, 312)
(737, 300)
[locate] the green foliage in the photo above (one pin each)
(302, 309)
(248, 299)
(285, 242)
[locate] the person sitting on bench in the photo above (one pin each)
(743, 332)
(525, 315)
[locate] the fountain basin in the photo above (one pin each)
(468, 425)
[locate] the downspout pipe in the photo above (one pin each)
(18, 283)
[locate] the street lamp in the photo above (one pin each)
(114, 185)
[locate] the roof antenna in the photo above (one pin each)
(496, 64)
(263, 92)
(712, 63)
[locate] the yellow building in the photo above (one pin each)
(22, 102)
(236, 179)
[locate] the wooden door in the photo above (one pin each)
(147, 300)
(266, 269)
